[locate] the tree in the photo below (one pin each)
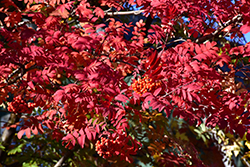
(86, 87)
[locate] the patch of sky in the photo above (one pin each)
(247, 36)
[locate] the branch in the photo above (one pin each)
(18, 24)
(66, 156)
(17, 71)
(119, 60)
(245, 162)
(7, 136)
(235, 19)
(137, 12)
(20, 73)
(172, 42)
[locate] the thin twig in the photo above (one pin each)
(136, 12)
(130, 64)
(235, 19)
(177, 40)
(178, 88)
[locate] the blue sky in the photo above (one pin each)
(247, 37)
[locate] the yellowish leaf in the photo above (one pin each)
(182, 136)
(248, 144)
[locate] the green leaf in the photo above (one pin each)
(197, 131)
(203, 127)
(230, 136)
(2, 147)
(30, 164)
(18, 149)
(207, 136)
(204, 138)
(182, 136)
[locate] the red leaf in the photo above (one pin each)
(87, 31)
(201, 56)
(145, 105)
(148, 98)
(122, 98)
(97, 128)
(195, 66)
(156, 64)
(232, 105)
(81, 138)
(154, 104)
(209, 31)
(146, 94)
(156, 71)
(152, 58)
(157, 91)
(245, 29)
(82, 43)
(94, 19)
(189, 96)
(94, 122)
(58, 95)
(75, 134)
(88, 133)
(93, 132)
(196, 97)
(193, 86)
(161, 108)
(70, 138)
(81, 132)
(99, 12)
(188, 68)
(99, 26)
(31, 85)
(27, 132)
(34, 130)
(184, 94)
(223, 58)
(198, 49)
(103, 126)
(20, 133)
(40, 128)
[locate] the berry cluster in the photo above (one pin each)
(111, 147)
(144, 85)
(18, 105)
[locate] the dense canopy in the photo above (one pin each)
(125, 82)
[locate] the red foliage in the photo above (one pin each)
(19, 105)
(171, 160)
(76, 72)
(117, 146)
